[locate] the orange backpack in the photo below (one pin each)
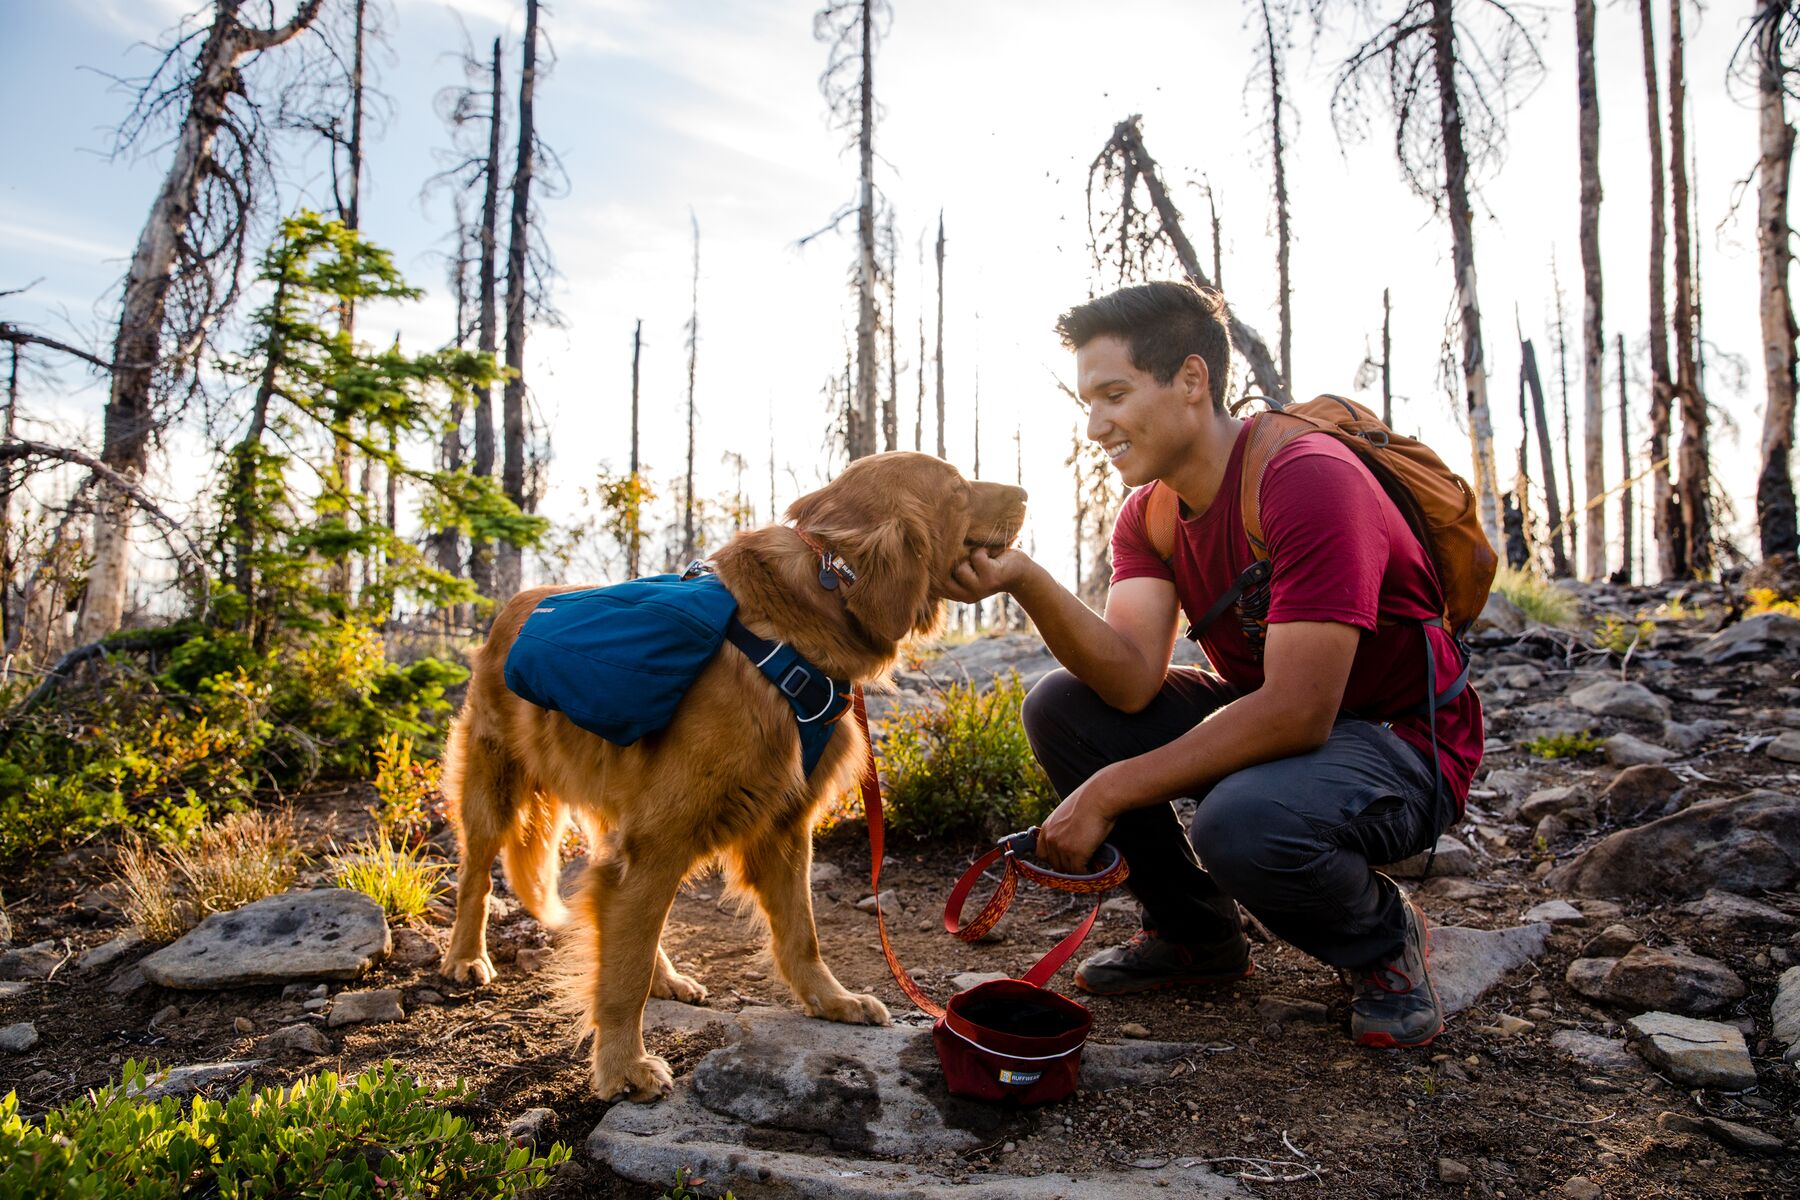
(1437, 503)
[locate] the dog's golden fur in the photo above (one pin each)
(724, 780)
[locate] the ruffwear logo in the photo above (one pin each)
(1020, 1077)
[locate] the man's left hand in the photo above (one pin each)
(1070, 836)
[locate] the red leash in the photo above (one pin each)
(1010, 849)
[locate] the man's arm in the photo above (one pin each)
(1123, 656)
(1305, 667)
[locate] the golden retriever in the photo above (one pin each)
(724, 780)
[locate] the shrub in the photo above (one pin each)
(1538, 598)
(396, 876)
(171, 888)
(964, 766)
(1564, 745)
(404, 787)
(377, 1134)
(1621, 636)
(1765, 600)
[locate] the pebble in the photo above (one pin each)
(1132, 1029)
(358, 1008)
(317, 1004)
(1451, 1171)
(1506, 1025)
(1580, 1187)
(889, 899)
(305, 1039)
(244, 1025)
(428, 996)
(526, 1128)
(16, 1039)
(167, 1012)
(532, 959)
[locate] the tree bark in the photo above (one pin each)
(1462, 237)
(1593, 340)
(481, 553)
(863, 431)
(688, 539)
(1559, 562)
(1387, 361)
(1283, 285)
(9, 559)
(1568, 439)
(890, 411)
(1696, 528)
(137, 346)
(634, 547)
(509, 574)
(942, 449)
(1626, 530)
(1665, 514)
(1775, 515)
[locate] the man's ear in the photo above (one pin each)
(891, 595)
(1196, 380)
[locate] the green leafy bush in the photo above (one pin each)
(1538, 598)
(1564, 745)
(1621, 636)
(401, 878)
(964, 766)
(377, 1134)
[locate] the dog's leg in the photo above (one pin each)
(479, 781)
(778, 868)
(631, 895)
(530, 853)
(670, 984)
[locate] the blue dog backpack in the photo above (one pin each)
(617, 660)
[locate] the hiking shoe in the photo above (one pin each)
(1394, 1005)
(1149, 963)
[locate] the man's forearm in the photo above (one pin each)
(1081, 640)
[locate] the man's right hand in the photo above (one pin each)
(983, 574)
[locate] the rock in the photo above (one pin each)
(184, 1081)
(165, 1014)
(415, 948)
(1700, 1053)
(1517, 677)
(330, 933)
(316, 1004)
(1754, 639)
(30, 962)
(1452, 1172)
(127, 981)
(1621, 698)
(104, 955)
(301, 1039)
(10, 988)
(1499, 615)
(364, 1008)
(1580, 1187)
(1602, 1053)
(529, 1126)
(1744, 844)
(1670, 980)
(243, 1025)
(16, 1039)
(1287, 1010)
(1132, 1029)
(1741, 1137)
(1506, 1026)
(428, 996)
(1600, 910)
(1727, 912)
(969, 979)
(1548, 802)
(1691, 735)
(1467, 962)
(1454, 860)
(1615, 941)
(889, 898)
(1785, 748)
(1556, 912)
(1624, 750)
(1784, 1015)
(1509, 785)
(825, 873)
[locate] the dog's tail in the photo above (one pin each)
(530, 851)
(494, 803)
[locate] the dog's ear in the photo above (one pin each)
(891, 595)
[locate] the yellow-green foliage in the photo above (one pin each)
(1621, 636)
(1563, 745)
(964, 766)
(404, 787)
(170, 888)
(378, 1134)
(1538, 598)
(685, 1185)
(402, 879)
(1764, 600)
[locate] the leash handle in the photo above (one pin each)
(871, 798)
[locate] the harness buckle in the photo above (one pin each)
(794, 681)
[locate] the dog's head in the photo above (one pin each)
(901, 521)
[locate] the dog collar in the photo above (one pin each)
(817, 699)
(832, 567)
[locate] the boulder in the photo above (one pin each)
(1552, 801)
(1639, 792)
(98, 958)
(1746, 843)
(1669, 980)
(1754, 639)
(331, 933)
(30, 962)
(1555, 912)
(1499, 615)
(1698, 1053)
(1467, 962)
(1688, 736)
(1785, 747)
(1784, 1015)
(1621, 698)
(1728, 912)
(1453, 860)
(1624, 750)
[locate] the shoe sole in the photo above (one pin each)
(1164, 985)
(1387, 1041)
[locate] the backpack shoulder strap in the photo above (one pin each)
(1160, 514)
(1270, 433)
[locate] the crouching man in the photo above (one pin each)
(1308, 747)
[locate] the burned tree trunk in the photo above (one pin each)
(138, 345)
(634, 546)
(1775, 517)
(1665, 513)
(1593, 341)
(1277, 152)
(1387, 361)
(510, 565)
(890, 411)
(689, 540)
(1693, 485)
(1552, 507)
(942, 449)
(1626, 530)
(481, 554)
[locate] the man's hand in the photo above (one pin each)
(1070, 836)
(983, 574)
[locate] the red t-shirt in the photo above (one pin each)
(1340, 551)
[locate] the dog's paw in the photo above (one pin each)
(641, 1081)
(673, 985)
(478, 970)
(850, 1008)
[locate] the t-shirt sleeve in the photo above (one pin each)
(1328, 538)
(1133, 556)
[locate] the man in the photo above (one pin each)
(1297, 796)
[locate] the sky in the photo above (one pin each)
(709, 111)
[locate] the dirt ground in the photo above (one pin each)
(1272, 1089)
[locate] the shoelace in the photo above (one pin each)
(1376, 977)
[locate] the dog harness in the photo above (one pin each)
(618, 660)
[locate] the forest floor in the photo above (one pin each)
(1486, 1110)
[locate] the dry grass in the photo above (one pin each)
(400, 878)
(1538, 598)
(171, 888)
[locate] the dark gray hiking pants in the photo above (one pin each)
(1291, 840)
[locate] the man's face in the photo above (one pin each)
(1139, 422)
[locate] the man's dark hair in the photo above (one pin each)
(1161, 323)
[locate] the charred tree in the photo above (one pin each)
(1695, 558)
(184, 271)
(635, 543)
(1387, 361)
(938, 358)
(1626, 530)
(1559, 562)
(1665, 512)
(1593, 341)
(509, 567)
(1275, 38)
(689, 540)
(890, 410)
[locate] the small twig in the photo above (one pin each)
(1571, 1120)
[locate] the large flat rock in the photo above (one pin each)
(330, 933)
(1748, 843)
(1467, 962)
(794, 1107)
(1701, 1053)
